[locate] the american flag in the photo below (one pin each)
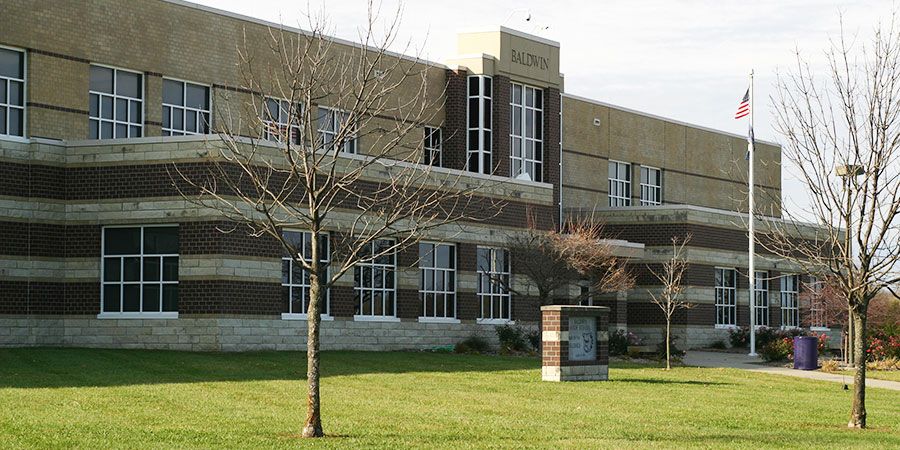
(744, 108)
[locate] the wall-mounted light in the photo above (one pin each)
(596, 122)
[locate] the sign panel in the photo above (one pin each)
(582, 338)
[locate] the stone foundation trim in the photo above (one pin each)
(575, 373)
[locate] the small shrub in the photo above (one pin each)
(534, 338)
(676, 353)
(882, 346)
(512, 339)
(891, 363)
(476, 344)
(620, 340)
(830, 365)
(739, 337)
(719, 345)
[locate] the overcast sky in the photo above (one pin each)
(685, 60)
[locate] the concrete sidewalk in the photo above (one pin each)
(754, 364)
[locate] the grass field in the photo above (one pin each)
(78, 398)
(890, 375)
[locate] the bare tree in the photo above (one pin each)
(581, 251)
(670, 300)
(841, 131)
(350, 174)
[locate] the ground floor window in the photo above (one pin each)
(295, 283)
(375, 280)
(437, 280)
(493, 282)
(726, 304)
(789, 311)
(762, 298)
(140, 270)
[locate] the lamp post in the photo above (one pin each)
(849, 173)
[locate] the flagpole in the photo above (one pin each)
(752, 246)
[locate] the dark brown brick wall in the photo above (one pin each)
(454, 130)
(500, 125)
(552, 104)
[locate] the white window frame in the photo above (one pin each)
(487, 278)
(170, 130)
(388, 272)
(122, 283)
(275, 127)
(336, 117)
(115, 97)
(619, 189)
(818, 314)
(4, 85)
(449, 278)
(726, 299)
(482, 148)
(651, 194)
(789, 301)
(303, 285)
(519, 161)
(585, 289)
(433, 153)
(762, 298)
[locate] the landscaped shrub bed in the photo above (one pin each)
(782, 347)
(620, 340)
(881, 346)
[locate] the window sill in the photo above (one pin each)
(819, 329)
(495, 321)
(22, 140)
(289, 316)
(438, 320)
(138, 315)
(789, 328)
(726, 327)
(358, 318)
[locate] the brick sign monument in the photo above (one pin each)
(575, 343)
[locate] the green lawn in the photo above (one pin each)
(890, 375)
(119, 398)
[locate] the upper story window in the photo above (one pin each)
(333, 124)
(117, 103)
(651, 186)
(12, 92)
(185, 108)
(432, 146)
(479, 124)
(295, 282)
(818, 317)
(375, 286)
(790, 314)
(493, 282)
(281, 121)
(437, 280)
(762, 298)
(526, 120)
(619, 184)
(140, 271)
(726, 303)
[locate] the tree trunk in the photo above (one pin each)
(858, 413)
(668, 343)
(313, 425)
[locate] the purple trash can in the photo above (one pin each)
(806, 352)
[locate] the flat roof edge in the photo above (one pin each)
(501, 28)
(666, 119)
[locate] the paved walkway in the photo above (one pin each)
(754, 364)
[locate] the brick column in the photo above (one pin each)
(551, 143)
(500, 125)
(454, 129)
(575, 343)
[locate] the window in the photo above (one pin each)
(762, 299)
(433, 146)
(12, 92)
(818, 318)
(334, 125)
(117, 104)
(278, 116)
(789, 311)
(185, 108)
(651, 186)
(295, 280)
(437, 280)
(726, 306)
(584, 296)
(479, 124)
(493, 279)
(619, 184)
(526, 122)
(374, 289)
(140, 271)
